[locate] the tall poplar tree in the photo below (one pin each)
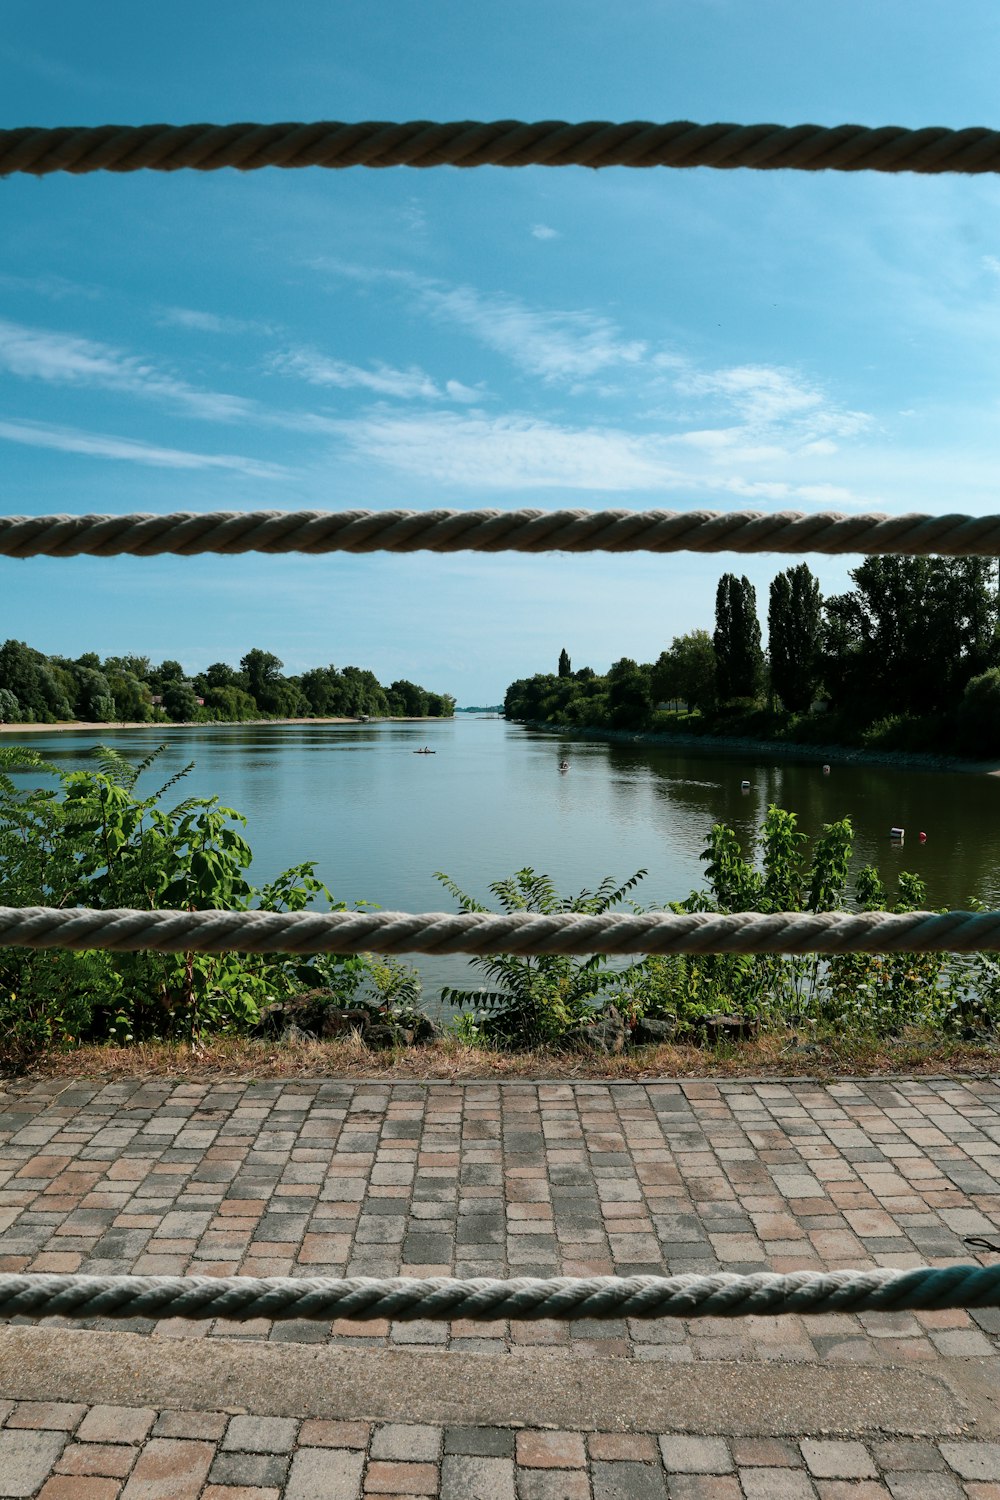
(565, 665)
(738, 655)
(794, 621)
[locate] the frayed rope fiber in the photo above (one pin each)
(241, 1298)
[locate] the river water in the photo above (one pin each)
(380, 820)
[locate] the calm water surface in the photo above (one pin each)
(379, 820)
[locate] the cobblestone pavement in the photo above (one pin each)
(59, 1451)
(329, 1178)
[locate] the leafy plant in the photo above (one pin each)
(89, 839)
(539, 999)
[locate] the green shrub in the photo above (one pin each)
(88, 839)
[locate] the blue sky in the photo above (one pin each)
(488, 337)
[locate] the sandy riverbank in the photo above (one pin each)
(70, 725)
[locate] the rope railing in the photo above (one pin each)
(722, 1295)
(499, 143)
(508, 143)
(189, 533)
(481, 933)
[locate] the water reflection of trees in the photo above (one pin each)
(960, 861)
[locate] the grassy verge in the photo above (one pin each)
(767, 1056)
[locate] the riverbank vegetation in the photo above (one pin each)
(38, 689)
(907, 660)
(92, 838)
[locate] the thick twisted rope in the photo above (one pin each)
(500, 143)
(127, 931)
(187, 533)
(401, 1298)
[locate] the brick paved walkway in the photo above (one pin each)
(331, 1178)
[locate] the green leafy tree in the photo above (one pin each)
(132, 699)
(738, 653)
(94, 698)
(794, 626)
(231, 704)
(412, 698)
(630, 699)
(263, 674)
(979, 715)
(168, 671)
(687, 671)
(26, 674)
(180, 702)
(565, 666)
(127, 666)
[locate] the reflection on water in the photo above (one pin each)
(379, 820)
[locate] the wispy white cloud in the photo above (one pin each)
(506, 452)
(208, 322)
(768, 396)
(64, 359)
(57, 288)
(104, 445)
(557, 346)
(544, 232)
(477, 451)
(381, 379)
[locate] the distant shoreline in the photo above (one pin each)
(777, 749)
(67, 726)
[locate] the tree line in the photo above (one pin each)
(909, 658)
(39, 689)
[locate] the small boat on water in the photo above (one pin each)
(425, 751)
(564, 765)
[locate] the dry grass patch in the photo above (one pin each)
(767, 1056)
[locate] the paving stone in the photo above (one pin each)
(71, 1487)
(619, 1446)
(397, 1440)
(705, 1487)
(776, 1484)
(320, 1434)
(550, 1450)
(696, 1455)
(389, 1477)
(249, 1469)
(26, 1457)
(973, 1460)
(110, 1460)
(57, 1416)
(553, 1484)
(116, 1424)
(261, 1434)
(486, 1442)
(190, 1424)
(917, 1485)
(169, 1469)
(838, 1460)
(471, 1477)
(627, 1481)
(324, 1474)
